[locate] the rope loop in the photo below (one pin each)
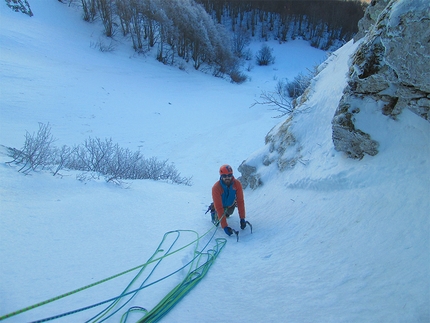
(195, 274)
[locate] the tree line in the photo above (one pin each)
(175, 28)
(322, 22)
(213, 34)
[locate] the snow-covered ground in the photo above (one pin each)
(335, 240)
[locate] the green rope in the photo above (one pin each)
(124, 317)
(28, 308)
(134, 292)
(125, 292)
(191, 264)
(191, 280)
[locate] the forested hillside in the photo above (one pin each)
(213, 35)
(323, 23)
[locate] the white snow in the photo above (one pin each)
(335, 239)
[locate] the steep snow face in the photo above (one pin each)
(389, 71)
(334, 240)
(308, 130)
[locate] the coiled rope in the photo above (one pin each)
(195, 274)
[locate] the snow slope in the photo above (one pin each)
(335, 240)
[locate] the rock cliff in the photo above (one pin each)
(389, 71)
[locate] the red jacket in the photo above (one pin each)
(224, 197)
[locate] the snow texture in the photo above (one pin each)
(335, 239)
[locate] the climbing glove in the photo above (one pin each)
(228, 231)
(242, 224)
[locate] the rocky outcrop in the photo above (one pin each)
(354, 142)
(370, 17)
(282, 150)
(249, 176)
(390, 71)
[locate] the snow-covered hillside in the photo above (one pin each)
(335, 239)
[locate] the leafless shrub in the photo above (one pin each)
(265, 56)
(241, 38)
(122, 164)
(20, 5)
(94, 155)
(87, 176)
(63, 157)
(37, 152)
(95, 158)
(106, 14)
(102, 46)
(89, 9)
(237, 76)
(283, 98)
(300, 83)
(278, 100)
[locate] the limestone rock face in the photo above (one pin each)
(282, 151)
(249, 176)
(370, 17)
(390, 71)
(354, 142)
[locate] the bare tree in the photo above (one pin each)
(105, 8)
(241, 39)
(89, 8)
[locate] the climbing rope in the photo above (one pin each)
(98, 317)
(197, 256)
(192, 278)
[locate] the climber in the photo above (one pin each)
(227, 193)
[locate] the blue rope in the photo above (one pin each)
(114, 301)
(197, 255)
(191, 280)
(97, 317)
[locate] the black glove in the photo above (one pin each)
(242, 224)
(228, 231)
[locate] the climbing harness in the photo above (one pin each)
(217, 221)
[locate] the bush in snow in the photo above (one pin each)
(37, 152)
(102, 46)
(280, 98)
(265, 56)
(297, 87)
(94, 157)
(237, 76)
